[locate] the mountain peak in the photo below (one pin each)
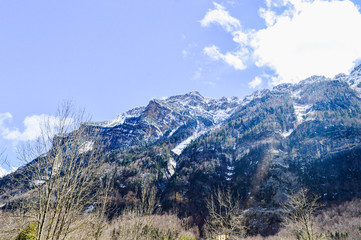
(357, 69)
(194, 97)
(194, 93)
(313, 79)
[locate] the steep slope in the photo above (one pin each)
(162, 118)
(301, 135)
(133, 139)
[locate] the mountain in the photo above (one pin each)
(295, 135)
(264, 147)
(162, 118)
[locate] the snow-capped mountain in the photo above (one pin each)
(296, 135)
(163, 118)
(263, 146)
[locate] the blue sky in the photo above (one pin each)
(110, 56)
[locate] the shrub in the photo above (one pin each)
(29, 233)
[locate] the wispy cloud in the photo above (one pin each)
(255, 82)
(187, 51)
(301, 38)
(233, 59)
(220, 16)
(33, 127)
(3, 171)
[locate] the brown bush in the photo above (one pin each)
(132, 226)
(342, 219)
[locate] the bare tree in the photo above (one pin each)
(225, 215)
(64, 174)
(138, 218)
(298, 214)
(104, 197)
(149, 201)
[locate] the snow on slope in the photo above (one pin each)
(301, 111)
(135, 112)
(86, 147)
(179, 148)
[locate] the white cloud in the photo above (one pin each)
(235, 59)
(3, 172)
(301, 38)
(4, 117)
(220, 16)
(185, 53)
(320, 38)
(213, 52)
(255, 82)
(268, 15)
(33, 127)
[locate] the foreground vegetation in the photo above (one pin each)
(340, 222)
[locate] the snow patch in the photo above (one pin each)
(172, 164)
(354, 83)
(38, 182)
(135, 112)
(296, 94)
(301, 111)
(286, 134)
(274, 151)
(86, 147)
(180, 147)
(221, 115)
(230, 168)
(255, 95)
(89, 209)
(230, 172)
(173, 131)
(198, 132)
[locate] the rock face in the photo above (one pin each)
(162, 118)
(264, 146)
(296, 135)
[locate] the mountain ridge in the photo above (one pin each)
(264, 146)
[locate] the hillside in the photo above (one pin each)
(265, 146)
